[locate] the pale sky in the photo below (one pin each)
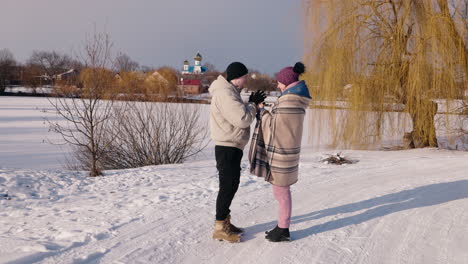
(264, 34)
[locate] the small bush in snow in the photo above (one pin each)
(337, 159)
(148, 133)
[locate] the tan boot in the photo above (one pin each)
(234, 229)
(221, 232)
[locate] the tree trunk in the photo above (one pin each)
(424, 131)
(94, 171)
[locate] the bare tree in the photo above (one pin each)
(32, 75)
(148, 133)
(123, 63)
(52, 62)
(210, 77)
(7, 67)
(146, 68)
(86, 112)
(210, 67)
(259, 81)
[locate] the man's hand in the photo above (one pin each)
(257, 97)
(250, 97)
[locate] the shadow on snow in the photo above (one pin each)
(423, 196)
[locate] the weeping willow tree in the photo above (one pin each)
(376, 58)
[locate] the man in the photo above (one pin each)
(230, 120)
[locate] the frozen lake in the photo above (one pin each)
(24, 134)
(25, 140)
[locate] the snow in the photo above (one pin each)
(389, 207)
(21, 89)
(24, 134)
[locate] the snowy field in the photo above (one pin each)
(390, 207)
(24, 136)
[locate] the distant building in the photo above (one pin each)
(192, 86)
(72, 73)
(197, 68)
(192, 81)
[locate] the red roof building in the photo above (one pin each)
(190, 82)
(190, 86)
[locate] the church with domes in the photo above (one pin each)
(197, 68)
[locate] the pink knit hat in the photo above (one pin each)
(290, 75)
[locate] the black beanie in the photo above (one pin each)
(236, 70)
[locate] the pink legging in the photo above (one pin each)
(283, 196)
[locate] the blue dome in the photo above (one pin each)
(191, 69)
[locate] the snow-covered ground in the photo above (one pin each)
(390, 207)
(39, 90)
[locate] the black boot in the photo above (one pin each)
(278, 235)
(273, 230)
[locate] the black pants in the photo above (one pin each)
(228, 160)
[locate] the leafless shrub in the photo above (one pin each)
(148, 133)
(87, 115)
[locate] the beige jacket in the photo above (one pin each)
(230, 117)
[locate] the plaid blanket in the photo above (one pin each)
(276, 143)
(258, 153)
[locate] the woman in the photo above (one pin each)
(275, 149)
